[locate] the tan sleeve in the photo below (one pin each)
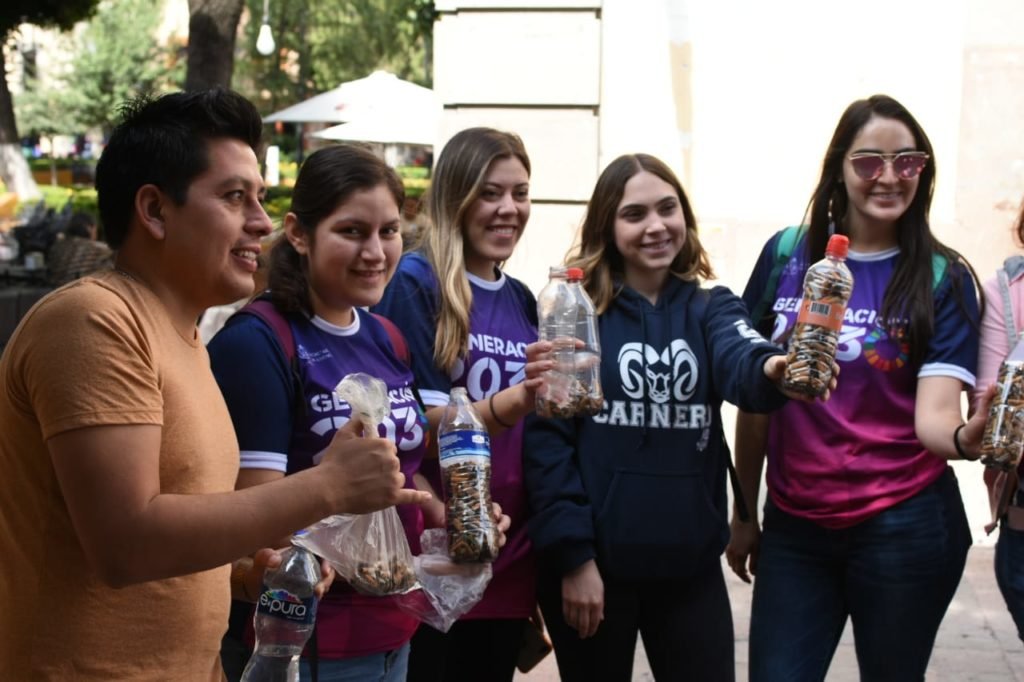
(89, 361)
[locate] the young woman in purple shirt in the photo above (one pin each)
(469, 324)
(864, 518)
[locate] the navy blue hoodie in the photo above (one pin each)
(641, 485)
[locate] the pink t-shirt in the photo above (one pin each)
(995, 341)
(840, 463)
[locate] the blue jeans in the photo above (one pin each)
(391, 666)
(1010, 571)
(892, 575)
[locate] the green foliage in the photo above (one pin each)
(322, 43)
(115, 57)
(56, 197)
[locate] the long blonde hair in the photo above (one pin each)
(597, 254)
(458, 177)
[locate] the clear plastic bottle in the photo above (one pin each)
(1002, 443)
(285, 615)
(565, 313)
(465, 453)
(812, 347)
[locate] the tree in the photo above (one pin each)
(212, 26)
(115, 57)
(322, 43)
(60, 13)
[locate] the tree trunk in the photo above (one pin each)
(212, 27)
(13, 168)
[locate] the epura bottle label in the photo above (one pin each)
(287, 606)
(464, 446)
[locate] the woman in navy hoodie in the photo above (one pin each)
(630, 504)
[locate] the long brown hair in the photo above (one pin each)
(457, 181)
(597, 254)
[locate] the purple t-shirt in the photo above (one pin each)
(274, 434)
(841, 462)
(503, 320)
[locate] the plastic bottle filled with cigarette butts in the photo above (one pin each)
(812, 347)
(568, 320)
(1003, 441)
(465, 453)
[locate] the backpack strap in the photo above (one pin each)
(401, 348)
(397, 339)
(1012, 268)
(263, 309)
(784, 248)
(939, 267)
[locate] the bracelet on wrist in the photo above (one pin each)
(494, 413)
(959, 448)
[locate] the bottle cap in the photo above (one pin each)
(574, 274)
(556, 271)
(838, 245)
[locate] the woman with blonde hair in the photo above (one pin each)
(469, 324)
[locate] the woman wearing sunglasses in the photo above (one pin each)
(864, 517)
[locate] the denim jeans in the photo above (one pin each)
(893, 575)
(1010, 571)
(391, 666)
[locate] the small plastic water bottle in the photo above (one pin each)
(465, 452)
(285, 615)
(566, 314)
(828, 285)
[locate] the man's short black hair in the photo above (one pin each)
(162, 141)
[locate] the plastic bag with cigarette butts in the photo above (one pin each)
(449, 589)
(370, 551)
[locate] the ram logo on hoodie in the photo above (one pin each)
(671, 373)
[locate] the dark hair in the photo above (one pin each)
(162, 141)
(597, 254)
(326, 181)
(79, 224)
(1018, 227)
(908, 306)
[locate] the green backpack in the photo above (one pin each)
(784, 248)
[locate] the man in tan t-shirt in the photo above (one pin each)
(117, 518)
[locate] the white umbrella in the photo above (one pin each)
(381, 94)
(405, 129)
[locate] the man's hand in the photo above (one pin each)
(365, 472)
(583, 599)
(744, 545)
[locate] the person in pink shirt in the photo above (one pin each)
(1001, 325)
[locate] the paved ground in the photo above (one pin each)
(976, 643)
